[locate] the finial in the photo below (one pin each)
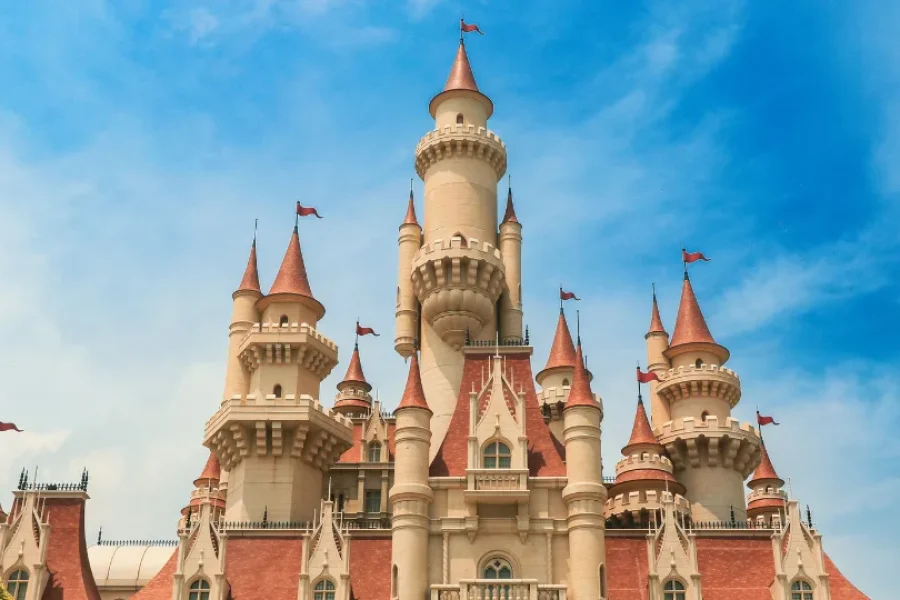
(410, 187)
(255, 225)
(578, 325)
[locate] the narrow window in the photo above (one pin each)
(459, 119)
(673, 590)
(283, 321)
(374, 452)
(496, 456)
(324, 590)
(277, 390)
(394, 582)
(699, 363)
(17, 586)
(566, 383)
(704, 415)
(373, 501)
(602, 581)
(801, 590)
(340, 502)
(199, 590)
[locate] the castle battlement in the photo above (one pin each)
(767, 494)
(644, 461)
(692, 443)
(553, 394)
(709, 426)
(703, 381)
(651, 500)
(457, 244)
(280, 328)
(463, 140)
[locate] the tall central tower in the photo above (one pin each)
(454, 280)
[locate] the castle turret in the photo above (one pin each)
(407, 315)
(243, 316)
(411, 496)
(510, 242)
(712, 452)
(555, 378)
(275, 440)
(584, 493)
(657, 344)
(767, 502)
(458, 274)
(353, 397)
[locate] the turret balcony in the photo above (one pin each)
(454, 141)
(458, 284)
(288, 343)
(767, 498)
(704, 381)
(693, 444)
(647, 501)
(497, 486)
(498, 589)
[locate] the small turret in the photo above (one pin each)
(657, 343)
(692, 334)
(555, 378)
(353, 396)
(407, 315)
(206, 489)
(243, 315)
(510, 242)
(290, 299)
(767, 502)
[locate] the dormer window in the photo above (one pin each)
(496, 456)
(199, 590)
(801, 590)
(673, 590)
(324, 590)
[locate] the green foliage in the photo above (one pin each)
(4, 595)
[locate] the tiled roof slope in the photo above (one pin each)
(626, 568)
(370, 569)
(841, 589)
(263, 567)
(160, 587)
(736, 569)
(545, 454)
(67, 558)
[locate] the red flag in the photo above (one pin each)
(469, 27)
(9, 427)
(365, 331)
(305, 211)
(690, 257)
(567, 295)
(763, 420)
(646, 377)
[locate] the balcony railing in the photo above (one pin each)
(498, 589)
(497, 485)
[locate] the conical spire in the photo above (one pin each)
(580, 393)
(410, 212)
(250, 282)
(510, 216)
(656, 325)
(414, 395)
(562, 352)
(354, 369)
(765, 470)
(211, 472)
(292, 278)
(461, 77)
(641, 433)
(690, 326)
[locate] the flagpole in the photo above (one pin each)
(255, 226)
(560, 298)
(578, 325)
(461, 18)
(297, 216)
(684, 262)
(356, 339)
(640, 399)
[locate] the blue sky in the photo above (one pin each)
(139, 140)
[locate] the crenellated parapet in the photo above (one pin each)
(288, 343)
(644, 461)
(693, 444)
(707, 380)
(458, 284)
(647, 500)
(460, 141)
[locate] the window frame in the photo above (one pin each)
(674, 589)
(324, 589)
(799, 592)
(496, 457)
(197, 591)
(21, 583)
(367, 494)
(373, 446)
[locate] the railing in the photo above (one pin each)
(24, 484)
(367, 523)
(245, 525)
(609, 479)
(169, 543)
(526, 341)
(493, 480)
(498, 589)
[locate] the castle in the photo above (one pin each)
(485, 483)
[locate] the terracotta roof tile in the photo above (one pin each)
(841, 589)
(641, 432)
(656, 325)
(765, 470)
(546, 455)
(411, 212)
(627, 570)
(766, 503)
(254, 562)
(211, 472)
(250, 282)
(562, 352)
(414, 395)
(645, 475)
(353, 454)
(461, 76)
(160, 587)
(736, 569)
(690, 326)
(370, 569)
(510, 215)
(354, 369)
(67, 558)
(580, 393)
(292, 278)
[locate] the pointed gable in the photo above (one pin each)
(292, 278)
(690, 326)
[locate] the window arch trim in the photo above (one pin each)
(496, 457)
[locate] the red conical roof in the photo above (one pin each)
(690, 326)
(765, 470)
(641, 432)
(411, 212)
(656, 325)
(414, 395)
(580, 393)
(562, 352)
(250, 282)
(510, 216)
(211, 472)
(292, 278)
(354, 369)
(461, 76)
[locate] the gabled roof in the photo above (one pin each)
(67, 557)
(562, 352)
(690, 326)
(641, 432)
(250, 281)
(291, 277)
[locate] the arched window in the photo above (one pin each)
(199, 590)
(801, 590)
(324, 590)
(459, 119)
(17, 586)
(283, 321)
(458, 237)
(699, 363)
(277, 390)
(673, 590)
(374, 451)
(704, 415)
(566, 383)
(497, 568)
(496, 456)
